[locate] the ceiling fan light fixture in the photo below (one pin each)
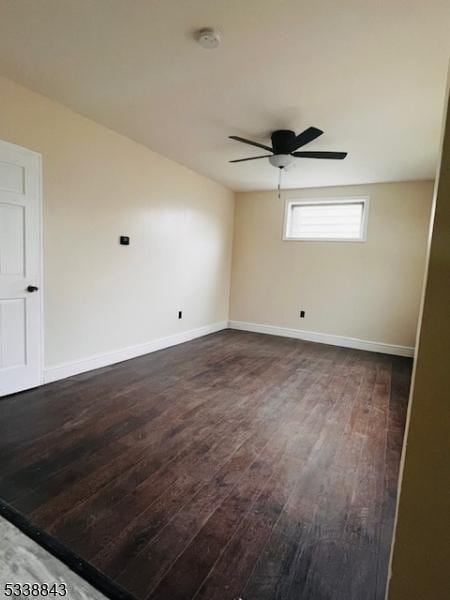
(281, 161)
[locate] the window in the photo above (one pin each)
(326, 219)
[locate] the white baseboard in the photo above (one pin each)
(324, 338)
(109, 358)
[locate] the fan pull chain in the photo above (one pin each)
(279, 182)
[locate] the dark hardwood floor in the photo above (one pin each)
(237, 465)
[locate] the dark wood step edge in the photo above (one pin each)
(81, 567)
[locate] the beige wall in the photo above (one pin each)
(368, 290)
(100, 296)
(421, 557)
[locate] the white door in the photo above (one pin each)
(20, 268)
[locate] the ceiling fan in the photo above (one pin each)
(285, 144)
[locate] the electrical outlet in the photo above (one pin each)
(302, 314)
(180, 314)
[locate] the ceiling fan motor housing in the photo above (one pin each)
(283, 141)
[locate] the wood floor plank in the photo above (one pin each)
(131, 539)
(240, 557)
(327, 555)
(235, 465)
(177, 535)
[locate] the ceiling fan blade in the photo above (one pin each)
(257, 144)
(332, 155)
(306, 136)
(250, 158)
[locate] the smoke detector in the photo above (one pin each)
(208, 38)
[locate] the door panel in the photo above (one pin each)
(20, 266)
(12, 327)
(12, 178)
(12, 234)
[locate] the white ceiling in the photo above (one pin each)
(371, 74)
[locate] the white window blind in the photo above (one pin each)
(326, 220)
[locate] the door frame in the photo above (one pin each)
(40, 213)
(41, 262)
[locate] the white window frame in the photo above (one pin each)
(328, 200)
